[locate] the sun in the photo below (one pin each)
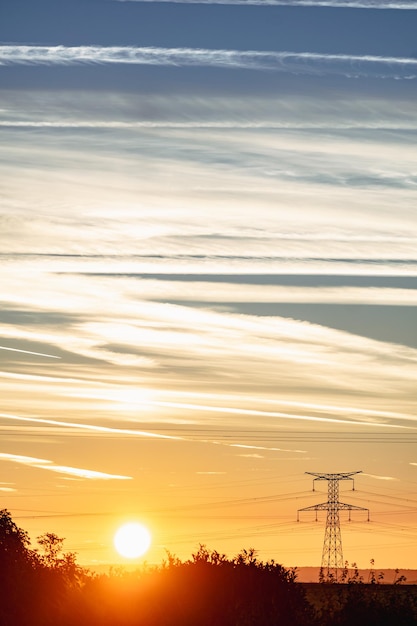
(132, 540)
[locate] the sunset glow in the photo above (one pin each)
(208, 258)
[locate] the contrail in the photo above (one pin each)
(60, 469)
(349, 4)
(261, 413)
(351, 66)
(49, 356)
(88, 427)
(226, 125)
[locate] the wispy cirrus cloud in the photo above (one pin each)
(353, 4)
(250, 447)
(348, 65)
(227, 125)
(251, 456)
(259, 413)
(278, 110)
(209, 344)
(92, 428)
(49, 356)
(60, 469)
(224, 174)
(229, 292)
(379, 477)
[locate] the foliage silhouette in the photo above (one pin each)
(17, 570)
(46, 587)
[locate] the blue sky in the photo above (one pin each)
(208, 253)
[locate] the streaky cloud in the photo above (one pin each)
(61, 469)
(292, 403)
(83, 473)
(261, 413)
(251, 456)
(316, 111)
(49, 356)
(326, 295)
(88, 427)
(249, 447)
(350, 66)
(342, 4)
(380, 477)
(20, 458)
(226, 125)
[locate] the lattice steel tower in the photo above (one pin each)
(332, 555)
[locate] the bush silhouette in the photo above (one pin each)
(46, 587)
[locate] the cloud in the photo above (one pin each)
(61, 469)
(83, 473)
(332, 408)
(308, 373)
(379, 477)
(226, 125)
(250, 447)
(49, 356)
(311, 362)
(253, 413)
(353, 4)
(87, 427)
(251, 456)
(351, 66)
(223, 173)
(319, 110)
(206, 292)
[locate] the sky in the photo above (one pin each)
(208, 260)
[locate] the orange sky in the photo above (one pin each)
(208, 272)
(216, 454)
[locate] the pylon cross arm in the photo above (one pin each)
(349, 507)
(327, 506)
(324, 506)
(341, 476)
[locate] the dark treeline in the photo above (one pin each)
(45, 586)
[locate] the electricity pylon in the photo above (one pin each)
(332, 555)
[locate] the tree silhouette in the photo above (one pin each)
(17, 569)
(14, 543)
(46, 587)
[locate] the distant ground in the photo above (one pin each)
(311, 575)
(304, 574)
